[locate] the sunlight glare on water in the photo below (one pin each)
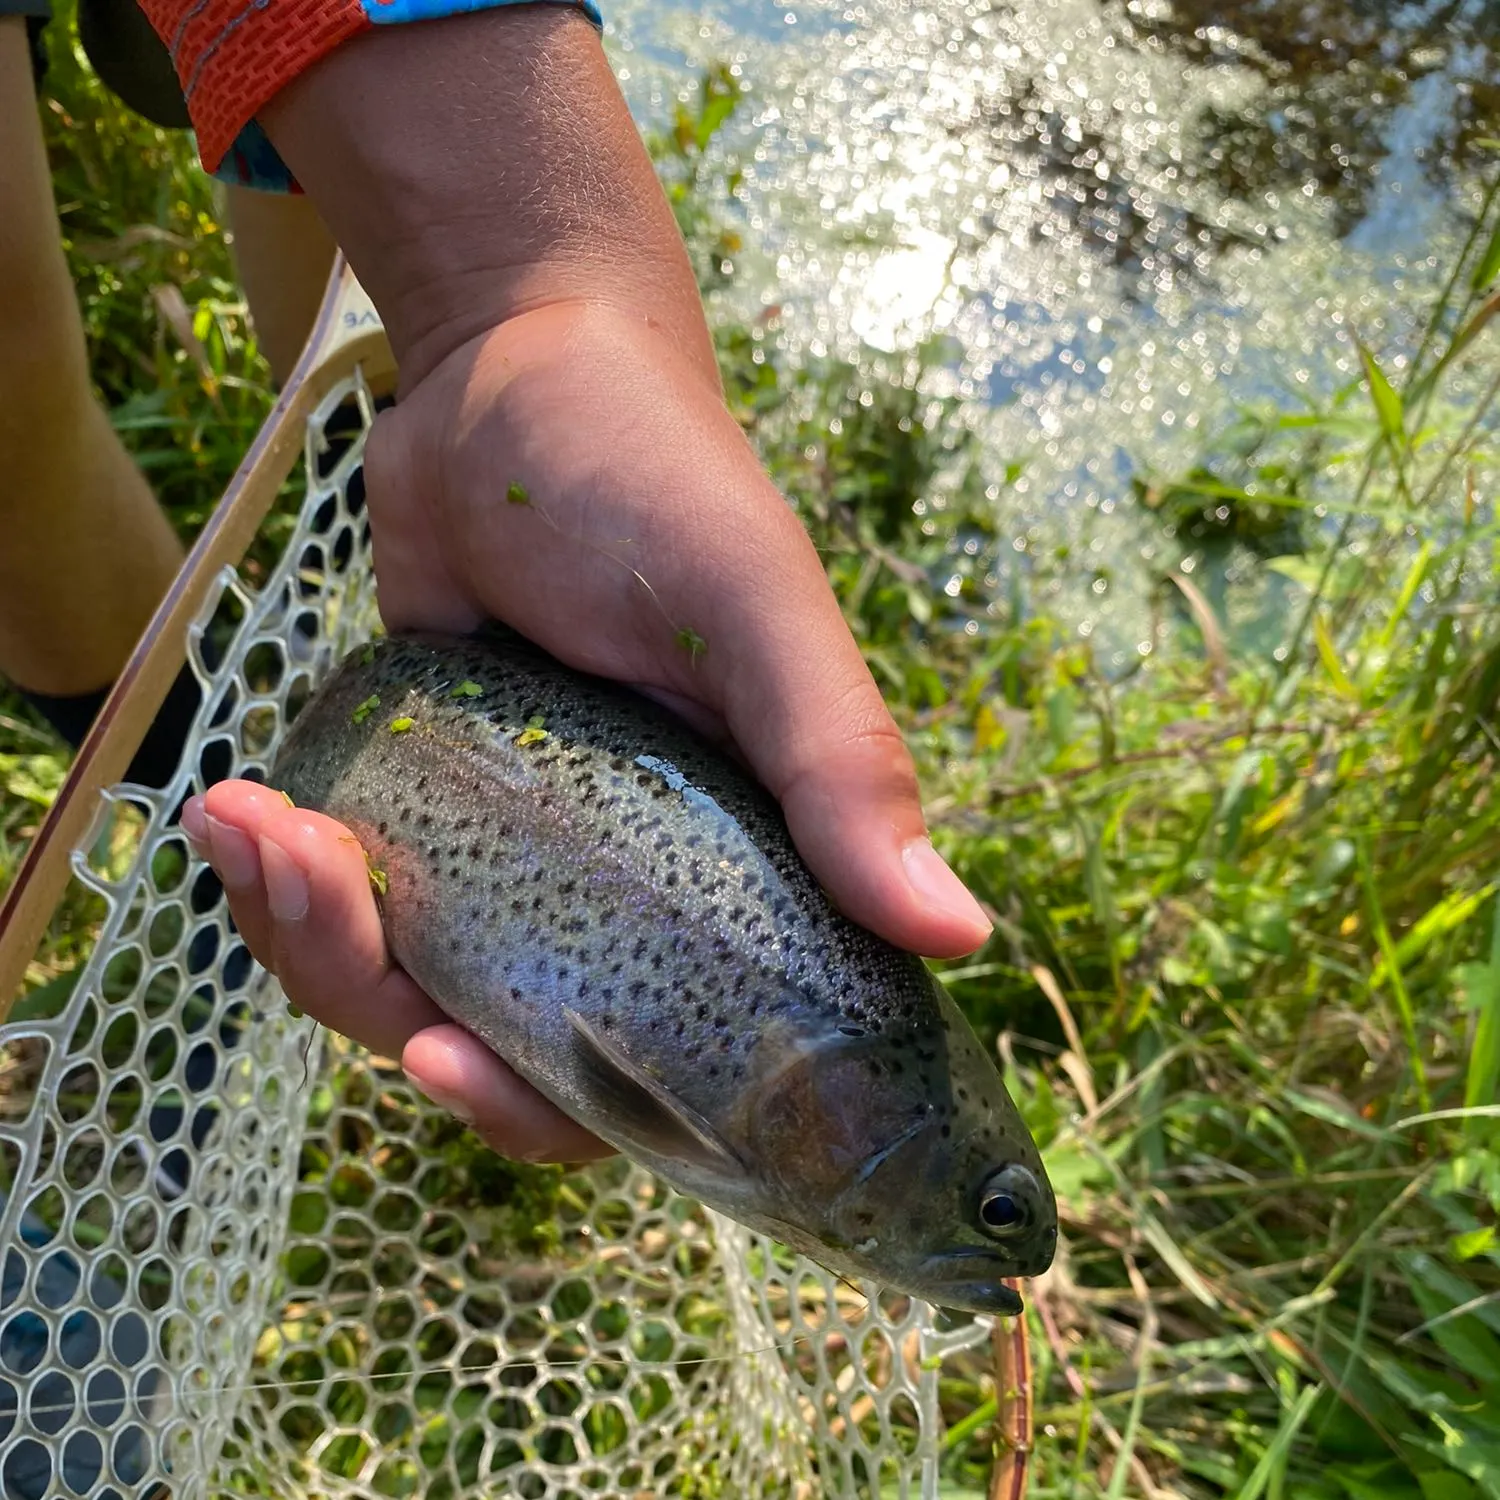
(1130, 217)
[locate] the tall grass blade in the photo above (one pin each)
(1488, 267)
(1275, 1455)
(1483, 1076)
(1394, 976)
(1385, 398)
(1329, 655)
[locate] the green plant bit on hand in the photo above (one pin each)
(377, 877)
(368, 654)
(466, 690)
(533, 733)
(285, 797)
(691, 642)
(517, 493)
(366, 708)
(401, 725)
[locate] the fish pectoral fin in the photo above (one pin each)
(648, 1109)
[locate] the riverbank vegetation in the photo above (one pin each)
(1246, 972)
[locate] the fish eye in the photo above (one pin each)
(1005, 1202)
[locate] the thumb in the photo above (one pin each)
(803, 708)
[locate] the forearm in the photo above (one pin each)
(481, 166)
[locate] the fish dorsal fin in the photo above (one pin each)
(648, 1109)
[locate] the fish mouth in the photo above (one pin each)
(973, 1280)
(979, 1297)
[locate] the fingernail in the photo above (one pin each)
(194, 823)
(286, 885)
(442, 1098)
(938, 886)
(234, 856)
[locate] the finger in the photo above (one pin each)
(483, 1092)
(803, 707)
(300, 893)
(313, 921)
(223, 827)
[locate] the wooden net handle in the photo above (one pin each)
(347, 334)
(1011, 1344)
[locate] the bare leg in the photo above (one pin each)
(85, 551)
(283, 252)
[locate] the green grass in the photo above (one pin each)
(1246, 975)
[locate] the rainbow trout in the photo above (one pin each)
(618, 911)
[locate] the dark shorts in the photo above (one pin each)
(121, 48)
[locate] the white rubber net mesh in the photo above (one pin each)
(241, 1257)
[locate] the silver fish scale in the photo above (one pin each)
(749, 877)
(681, 911)
(230, 1278)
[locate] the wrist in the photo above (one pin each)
(480, 167)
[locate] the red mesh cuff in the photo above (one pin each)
(233, 55)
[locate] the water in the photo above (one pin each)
(1130, 217)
